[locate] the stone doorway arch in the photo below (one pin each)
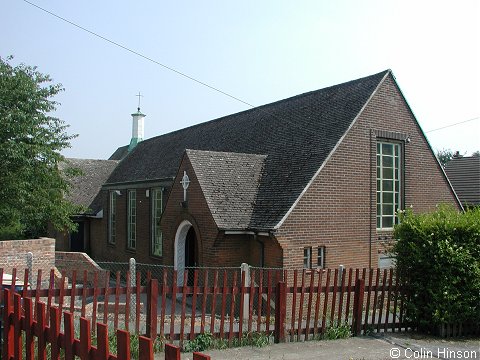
(185, 249)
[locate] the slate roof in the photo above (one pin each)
(120, 153)
(297, 134)
(229, 182)
(464, 175)
(85, 188)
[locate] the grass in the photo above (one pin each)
(207, 341)
(334, 332)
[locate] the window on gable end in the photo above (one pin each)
(389, 183)
(321, 257)
(307, 258)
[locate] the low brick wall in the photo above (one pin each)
(80, 262)
(13, 254)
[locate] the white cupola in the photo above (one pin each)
(137, 127)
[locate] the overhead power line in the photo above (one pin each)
(140, 54)
(168, 67)
(455, 124)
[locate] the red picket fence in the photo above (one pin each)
(21, 326)
(317, 300)
(289, 305)
(86, 300)
(299, 307)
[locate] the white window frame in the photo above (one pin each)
(388, 187)
(112, 217)
(321, 257)
(307, 257)
(157, 209)
(132, 220)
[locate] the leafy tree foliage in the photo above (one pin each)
(438, 262)
(444, 156)
(32, 187)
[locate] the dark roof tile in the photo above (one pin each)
(464, 175)
(229, 182)
(297, 134)
(86, 187)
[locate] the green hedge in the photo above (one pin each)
(438, 261)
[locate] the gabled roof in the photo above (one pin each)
(229, 182)
(120, 153)
(297, 134)
(464, 175)
(86, 187)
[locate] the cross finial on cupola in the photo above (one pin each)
(139, 96)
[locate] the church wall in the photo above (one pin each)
(102, 250)
(196, 211)
(338, 210)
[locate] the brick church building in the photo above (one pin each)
(310, 181)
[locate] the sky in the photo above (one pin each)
(256, 51)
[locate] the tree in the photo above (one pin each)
(444, 156)
(32, 187)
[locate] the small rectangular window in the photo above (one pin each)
(132, 220)
(307, 258)
(321, 257)
(157, 206)
(112, 214)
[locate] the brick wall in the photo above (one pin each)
(339, 209)
(79, 262)
(209, 241)
(14, 255)
(101, 250)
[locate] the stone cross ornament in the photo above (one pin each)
(185, 182)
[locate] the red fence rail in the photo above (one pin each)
(17, 323)
(289, 305)
(83, 300)
(309, 302)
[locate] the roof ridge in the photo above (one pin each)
(82, 159)
(271, 104)
(225, 152)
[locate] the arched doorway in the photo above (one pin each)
(185, 249)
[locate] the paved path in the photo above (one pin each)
(398, 346)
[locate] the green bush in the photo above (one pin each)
(438, 262)
(207, 341)
(335, 332)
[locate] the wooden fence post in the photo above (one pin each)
(280, 312)
(7, 351)
(85, 339)
(152, 300)
(55, 319)
(17, 326)
(103, 350)
(172, 352)
(41, 325)
(358, 306)
(29, 330)
(145, 348)
(200, 356)
(123, 347)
